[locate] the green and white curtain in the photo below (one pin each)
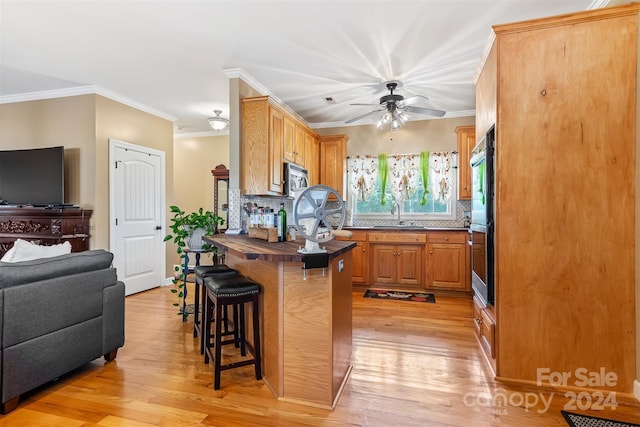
(403, 174)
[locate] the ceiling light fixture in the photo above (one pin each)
(393, 117)
(217, 122)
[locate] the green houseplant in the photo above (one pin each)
(185, 228)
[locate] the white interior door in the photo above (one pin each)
(137, 189)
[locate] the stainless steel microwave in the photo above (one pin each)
(295, 178)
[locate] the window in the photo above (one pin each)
(421, 184)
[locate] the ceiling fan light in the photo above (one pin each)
(395, 124)
(218, 123)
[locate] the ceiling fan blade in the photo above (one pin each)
(415, 99)
(364, 115)
(428, 111)
(367, 105)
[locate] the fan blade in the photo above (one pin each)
(364, 115)
(367, 105)
(428, 111)
(414, 99)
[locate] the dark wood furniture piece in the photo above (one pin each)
(44, 226)
(221, 177)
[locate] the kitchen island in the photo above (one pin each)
(305, 315)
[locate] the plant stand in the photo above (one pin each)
(185, 272)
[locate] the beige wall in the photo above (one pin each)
(194, 158)
(413, 137)
(118, 121)
(84, 124)
(62, 121)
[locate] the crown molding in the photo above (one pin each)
(202, 134)
(84, 90)
(239, 73)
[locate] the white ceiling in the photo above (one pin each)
(171, 56)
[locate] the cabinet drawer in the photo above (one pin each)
(488, 333)
(398, 237)
(448, 237)
(477, 317)
(358, 236)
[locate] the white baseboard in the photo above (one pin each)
(167, 281)
(636, 389)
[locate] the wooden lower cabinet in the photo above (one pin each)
(360, 259)
(485, 328)
(412, 260)
(446, 266)
(396, 264)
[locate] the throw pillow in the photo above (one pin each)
(25, 251)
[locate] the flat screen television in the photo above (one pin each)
(32, 176)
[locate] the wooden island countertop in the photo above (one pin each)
(305, 316)
(252, 248)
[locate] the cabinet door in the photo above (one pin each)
(288, 140)
(466, 142)
(384, 263)
(446, 266)
(255, 174)
(275, 150)
(333, 153)
(360, 263)
(298, 145)
(409, 265)
(311, 157)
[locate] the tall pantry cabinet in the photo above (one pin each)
(561, 92)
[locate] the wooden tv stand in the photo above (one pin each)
(44, 226)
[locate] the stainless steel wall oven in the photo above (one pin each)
(482, 219)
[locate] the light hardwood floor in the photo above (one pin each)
(414, 364)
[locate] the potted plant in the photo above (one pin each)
(187, 231)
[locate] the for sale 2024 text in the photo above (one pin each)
(582, 377)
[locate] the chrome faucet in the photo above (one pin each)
(396, 205)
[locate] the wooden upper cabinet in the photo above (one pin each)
(486, 94)
(312, 157)
(299, 145)
(333, 155)
(294, 142)
(288, 140)
(262, 138)
(274, 162)
(466, 142)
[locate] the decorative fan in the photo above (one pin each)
(396, 108)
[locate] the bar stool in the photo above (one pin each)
(203, 271)
(222, 291)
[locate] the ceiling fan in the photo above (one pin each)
(396, 107)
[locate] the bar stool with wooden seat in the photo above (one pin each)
(203, 271)
(222, 291)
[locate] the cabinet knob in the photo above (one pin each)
(430, 252)
(446, 239)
